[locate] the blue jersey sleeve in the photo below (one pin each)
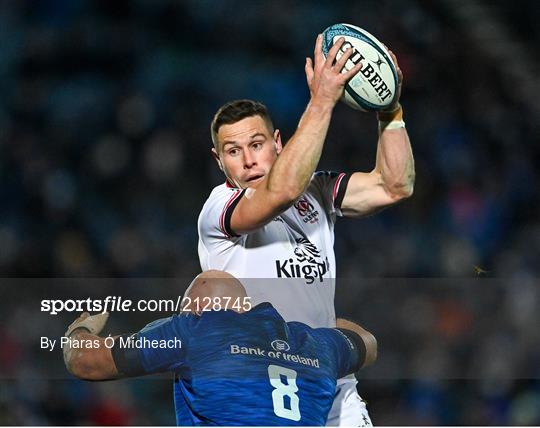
(346, 348)
(158, 347)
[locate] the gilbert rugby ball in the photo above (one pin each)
(375, 86)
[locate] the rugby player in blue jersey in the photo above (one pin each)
(231, 367)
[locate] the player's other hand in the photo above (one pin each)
(395, 104)
(324, 77)
(93, 323)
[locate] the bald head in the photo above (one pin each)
(216, 284)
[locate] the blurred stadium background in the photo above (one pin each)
(104, 165)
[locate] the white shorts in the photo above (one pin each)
(348, 408)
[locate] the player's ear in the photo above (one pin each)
(215, 155)
(277, 141)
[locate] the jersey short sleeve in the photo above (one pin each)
(215, 217)
(346, 348)
(330, 187)
(158, 347)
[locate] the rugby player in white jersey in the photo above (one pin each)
(271, 223)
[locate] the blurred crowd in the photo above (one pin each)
(105, 163)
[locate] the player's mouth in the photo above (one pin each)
(254, 178)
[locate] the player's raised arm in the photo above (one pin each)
(392, 179)
(243, 148)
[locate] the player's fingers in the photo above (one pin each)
(309, 71)
(97, 322)
(83, 316)
(392, 56)
(333, 52)
(396, 65)
(317, 52)
(349, 74)
(79, 319)
(394, 60)
(343, 59)
(102, 316)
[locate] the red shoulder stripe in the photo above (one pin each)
(336, 186)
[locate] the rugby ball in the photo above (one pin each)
(375, 86)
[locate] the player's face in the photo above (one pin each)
(247, 151)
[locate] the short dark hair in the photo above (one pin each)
(236, 110)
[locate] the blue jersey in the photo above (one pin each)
(245, 369)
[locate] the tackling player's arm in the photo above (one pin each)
(291, 172)
(90, 363)
(369, 341)
(392, 179)
(350, 346)
(85, 354)
(88, 356)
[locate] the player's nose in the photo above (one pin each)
(249, 159)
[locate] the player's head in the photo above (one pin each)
(245, 142)
(215, 287)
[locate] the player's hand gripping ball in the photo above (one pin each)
(93, 323)
(376, 86)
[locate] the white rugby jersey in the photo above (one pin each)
(290, 262)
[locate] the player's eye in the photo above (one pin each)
(233, 152)
(257, 146)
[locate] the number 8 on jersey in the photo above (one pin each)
(282, 390)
